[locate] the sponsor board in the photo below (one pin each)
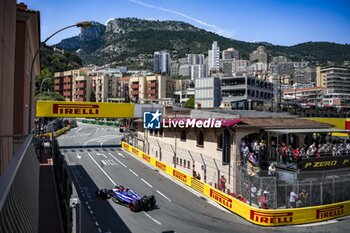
(330, 212)
(326, 163)
(146, 157)
(135, 151)
(283, 218)
(179, 175)
(83, 109)
(161, 166)
(221, 198)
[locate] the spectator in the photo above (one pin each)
(293, 197)
(198, 177)
(284, 152)
(223, 183)
(272, 169)
(273, 150)
(319, 150)
(311, 150)
(245, 153)
(253, 193)
(303, 197)
(262, 200)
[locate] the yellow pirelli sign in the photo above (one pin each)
(84, 109)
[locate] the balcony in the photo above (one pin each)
(66, 93)
(134, 92)
(152, 91)
(67, 80)
(67, 87)
(57, 88)
(80, 92)
(57, 80)
(80, 85)
(134, 86)
(22, 173)
(151, 84)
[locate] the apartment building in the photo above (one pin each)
(162, 62)
(313, 95)
(153, 87)
(104, 84)
(245, 92)
(259, 55)
(214, 58)
(230, 53)
(73, 85)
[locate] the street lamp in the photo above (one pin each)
(41, 85)
(84, 24)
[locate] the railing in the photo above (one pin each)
(19, 191)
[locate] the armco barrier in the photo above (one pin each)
(257, 216)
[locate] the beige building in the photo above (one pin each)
(259, 55)
(73, 85)
(151, 88)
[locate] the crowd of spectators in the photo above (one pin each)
(256, 152)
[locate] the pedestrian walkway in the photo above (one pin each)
(49, 213)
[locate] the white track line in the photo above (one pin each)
(121, 155)
(163, 195)
(117, 159)
(317, 223)
(146, 183)
(152, 219)
(133, 172)
(102, 170)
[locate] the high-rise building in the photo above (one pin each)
(195, 59)
(214, 58)
(162, 63)
(230, 53)
(198, 71)
(259, 55)
(104, 84)
(336, 79)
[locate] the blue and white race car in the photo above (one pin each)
(128, 197)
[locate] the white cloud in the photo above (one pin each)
(214, 28)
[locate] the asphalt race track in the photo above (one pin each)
(96, 161)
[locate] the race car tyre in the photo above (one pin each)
(134, 206)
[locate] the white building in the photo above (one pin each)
(214, 58)
(198, 71)
(195, 59)
(207, 92)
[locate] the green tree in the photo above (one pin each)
(49, 96)
(190, 102)
(47, 84)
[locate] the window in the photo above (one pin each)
(180, 162)
(219, 142)
(183, 135)
(200, 139)
(177, 160)
(188, 164)
(184, 162)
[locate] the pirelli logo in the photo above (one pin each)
(330, 212)
(222, 199)
(146, 157)
(126, 146)
(76, 109)
(180, 176)
(135, 151)
(161, 166)
(273, 218)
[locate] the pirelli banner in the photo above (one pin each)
(325, 163)
(257, 216)
(84, 109)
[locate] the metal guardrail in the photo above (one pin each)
(19, 191)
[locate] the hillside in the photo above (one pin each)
(132, 41)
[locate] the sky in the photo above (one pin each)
(281, 22)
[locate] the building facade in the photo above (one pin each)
(244, 91)
(162, 63)
(259, 55)
(229, 54)
(214, 58)
(198, 71)
(207, 92)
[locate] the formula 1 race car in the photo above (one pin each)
(128, 197)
